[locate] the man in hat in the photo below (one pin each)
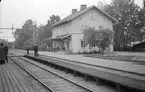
(6, 53)
(2, 54)
(27, 50)
(35, 50)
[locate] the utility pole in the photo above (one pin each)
(34, 35)
(13, 35)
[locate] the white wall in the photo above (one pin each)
(76, 42)
(61, 30)
(92, 18)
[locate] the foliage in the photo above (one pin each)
(45, 31)
(102, 38)
(52, 19)
(127, 13)
(24, 34)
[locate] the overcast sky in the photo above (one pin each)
(18, 11)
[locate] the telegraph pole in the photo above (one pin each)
(34, 35)
(13, 35)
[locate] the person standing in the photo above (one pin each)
(35, 50)
(6, 53)
(27, 50)
(2, 54)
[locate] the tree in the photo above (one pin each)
(24, 34)
(126, 12)
(102, 38)
(140, 25)
(45, 30)
(52, 19)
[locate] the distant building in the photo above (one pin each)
(67, 34)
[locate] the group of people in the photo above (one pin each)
(3, 54)
(35, 50)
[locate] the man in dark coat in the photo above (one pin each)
(27, 50)
(6, 52)
(2, 54)
(35, 50)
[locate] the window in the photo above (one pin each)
(53, 33)
(62, 31)
(67, 30)
(59, 32)
(82, 43)
(90, 16)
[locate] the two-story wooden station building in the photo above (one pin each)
(67, 34)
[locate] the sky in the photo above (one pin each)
(16, 12)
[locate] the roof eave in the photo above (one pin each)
(106, 14)
(60, 23)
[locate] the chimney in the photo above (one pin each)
(74, 11)
(83, 6)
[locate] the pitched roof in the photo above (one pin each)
(59, 37)
(72, 16)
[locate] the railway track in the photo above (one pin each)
(52, 79)
(129, 80)
(14, 79)
(136, 81)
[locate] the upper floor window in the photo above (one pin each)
(55, 33)
(67, 30)
(91, 16)
(59, 32)
(52, 33)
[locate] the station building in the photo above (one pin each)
(67, 34)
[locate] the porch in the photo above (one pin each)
(61, 43)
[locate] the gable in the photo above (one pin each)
(91, 18)
(72, 16)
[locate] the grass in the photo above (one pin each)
(111, 57)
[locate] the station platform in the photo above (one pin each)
(120, 65)
(11, 80)
(120, 72)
